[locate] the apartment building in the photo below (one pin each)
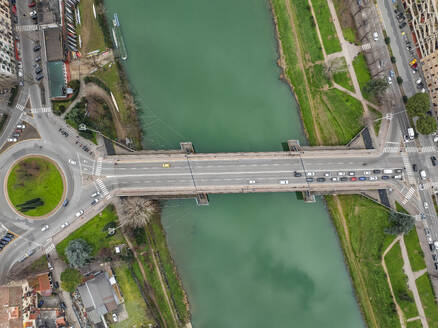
(8, 74)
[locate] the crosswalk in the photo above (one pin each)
(41, 110)
(20, 107)
(25, 28)
(366, 46)
(49, 248)
(103, 188)
(391, 149)
(408, 195)
(427, 149)
(408, 167)
(98, 170)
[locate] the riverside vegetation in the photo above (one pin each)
(360, 223)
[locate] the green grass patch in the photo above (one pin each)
(90, 30)
(293, 70)
(350, 35)
(366, 222)
(307, 29)
(405, 298)
(414, 324)
(34, 178)
(326, 27)
(345, 113)
(376, 115)
(415, 253)
(94, 234)
(362, 73)
(427, 296)
(317, 76)
(59, 107)
(343, 78)
(134, 302)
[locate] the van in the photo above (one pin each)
(387, 171)
(411, 133)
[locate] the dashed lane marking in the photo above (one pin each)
(98, 166)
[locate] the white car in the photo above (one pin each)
(72, 162)
(21, 126)
(251, 181)
(426, 205)
(327, 174)
(389, 79)
(115, 319)
(334, 179)
(376, 36)
(78, 214)
(44, 227)
(310, 174)
(284, 182)
(373, 178)
(12, 139)
(419, 81)
(65, 225)
(341, 173)
(367, 172)
(421, 186)
(95, 194)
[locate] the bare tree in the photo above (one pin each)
(138, 211)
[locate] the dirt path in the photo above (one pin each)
(399, 311)
(300, 63)
(355, 266)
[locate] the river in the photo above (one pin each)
(205, 71)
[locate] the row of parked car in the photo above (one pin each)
(7, 238)
(17, 132)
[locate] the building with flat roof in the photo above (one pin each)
(57, 79)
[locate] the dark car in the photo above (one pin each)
(297, 174)
(62, 305)
(432, 248)
(414, 167)
(38, 70)
(65, 203)
(320, 179)
(38, 59)
(56, 285)
(10, 235)
(398, 170)
(36, 48)
(436, 266)
(40, 303)
(15, 135)
(39, 77)
(344, 179)
(434, 257)
(402, 25)
(362, 178)
(433, 160)
(7, 239)
(377, 171)
(309, 179)
(385, 177)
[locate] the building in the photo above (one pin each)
(99, 297)
(43, 287)
(8, 74)
(11, 307)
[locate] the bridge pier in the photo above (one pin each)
(294, 145)
(202, 199)
(187, 147)
(308, 197)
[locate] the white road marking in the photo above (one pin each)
(408, 195)
(98, 166)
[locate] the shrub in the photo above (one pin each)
(78, 253)
(70, 279)
(418, 104)
(426, 124)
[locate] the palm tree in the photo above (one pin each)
(138, 211)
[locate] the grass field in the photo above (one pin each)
(365, 222)
(415, 253)
(376, 115)
(346, 20)
(362, 72)
(92, 232)
(134, 302)
(35, 178)
(404, 297)
(343, 78)
(414, 324)
(90, 31)
(428, 300)
(326, 27)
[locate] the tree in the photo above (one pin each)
(399, 80)
(376, 86)
(138, 211)
(418, 104)
(426, 124)
(393, 60)
(387, 40)
(399, 223)
(78, 253)
(70, 279)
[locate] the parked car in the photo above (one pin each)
(433, 160)
(376, 171)
(385, 177)
(12, 139)
(296, 174)
(320, 179)
(36, 48)
(78, 214)
(44, 227)
(97, 193)
(64, 225)
(343, 179)
(96, 200)
(402, 25)
(375, 36)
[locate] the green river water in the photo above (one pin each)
(205, 71)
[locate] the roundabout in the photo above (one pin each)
(35, 186)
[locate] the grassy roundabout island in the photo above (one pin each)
(35, 186)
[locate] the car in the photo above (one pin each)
(320, 179)
(436, 266)
(78, 214)
(166, 165)
(432, 247)
(36, 48)
(97, 193)
(341, 173)
(72, 162)
(433, 160)
(351, 173)
(37, 59)
(40, 303)
(414, 167)
(115, 319)
(367, 172)
(56, 285)
(418, 81)
(94, 201)
(429, 239)
(32, 4)
(398, 170)
(251, 181)
(353, 179)
(397, 177)
(343, 179)
(39, 77)
(65, 225)
(38, 70)
(309, 179)
(362, 178)
(334, 179)
(426, 205)
(373, 178)
(426, 231)
(15, 135)
(20, 73)
(310, 174)
(44, 227)
(10, 235)
(12, 139)
(391, 73)
(62, 306)
(297, 174)
(434, 258)
(402, 25)
(421, 186)
(375, 36)
(389, 80)
(284, 182)
(327, 174)
(4, 243)
(377, 171)
(65, 203)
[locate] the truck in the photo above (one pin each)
(411, 133)
(423, 174)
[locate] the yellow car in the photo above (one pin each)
(166, 165)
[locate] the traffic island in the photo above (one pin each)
(35, 186)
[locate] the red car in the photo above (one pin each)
(353, 179)
(32, 4)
